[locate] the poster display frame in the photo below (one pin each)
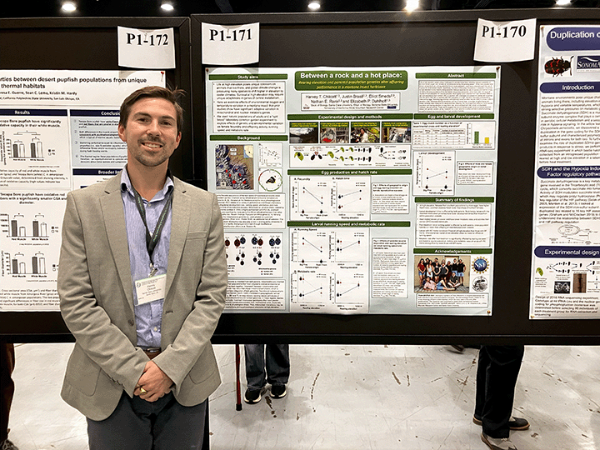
(406, 36)
(435, 38)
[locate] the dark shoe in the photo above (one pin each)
(514, 423)
(498, 443)
(278, 391)
(252, 396)
(8, 445)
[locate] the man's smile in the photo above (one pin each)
(153, 145)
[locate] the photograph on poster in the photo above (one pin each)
(234, 166)
(396, 132)
(304, 133)
(333, 133)
(365, 132)
(442, 273)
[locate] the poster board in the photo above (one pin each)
(67, 88)
(304, 40)
(354, 41)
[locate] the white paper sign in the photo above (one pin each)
(230, 45)
(146, 49)
(505, 41)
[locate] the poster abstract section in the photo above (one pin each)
(565, 276)
(356, 191)
(58, 131)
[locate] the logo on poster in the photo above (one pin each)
(588, 63)
(480, 264)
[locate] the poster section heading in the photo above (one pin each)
(565, 273)
(356, 191)
(58, 132)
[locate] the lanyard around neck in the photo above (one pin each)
(152, 239)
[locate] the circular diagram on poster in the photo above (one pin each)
(270, 180)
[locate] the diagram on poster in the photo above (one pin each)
(329, 269)
(30, 227)
(34, 147)
(252, 255)
(434, 174)
(457, 134)
(329, 198)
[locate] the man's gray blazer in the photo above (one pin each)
(96, 298)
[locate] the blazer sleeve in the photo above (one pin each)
(102, 341)
(197, 328)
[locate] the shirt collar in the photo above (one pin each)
(126, 185)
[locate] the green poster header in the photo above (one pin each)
(374, 224)
(455, 75)
(325, 80)
(349, 116)
(247, 76)
(343, 172)
(454, 199)
(452, 251)
(459, 116)
(237, 137)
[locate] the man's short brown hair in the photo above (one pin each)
(152, 92)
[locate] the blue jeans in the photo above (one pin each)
(277, 365)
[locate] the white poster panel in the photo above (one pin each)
(565, 276)
(58, 131)
(360, 191)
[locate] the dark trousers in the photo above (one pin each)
(140, 425)
(277, 364)
(7, 386)
(497, 372)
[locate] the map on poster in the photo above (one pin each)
(565, 276)
(356, 191)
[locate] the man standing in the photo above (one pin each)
(274, 369)
(497, 371)
(142, 282)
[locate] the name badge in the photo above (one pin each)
(150, 289)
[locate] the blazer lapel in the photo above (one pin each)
(179, 230)
(114, 222)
